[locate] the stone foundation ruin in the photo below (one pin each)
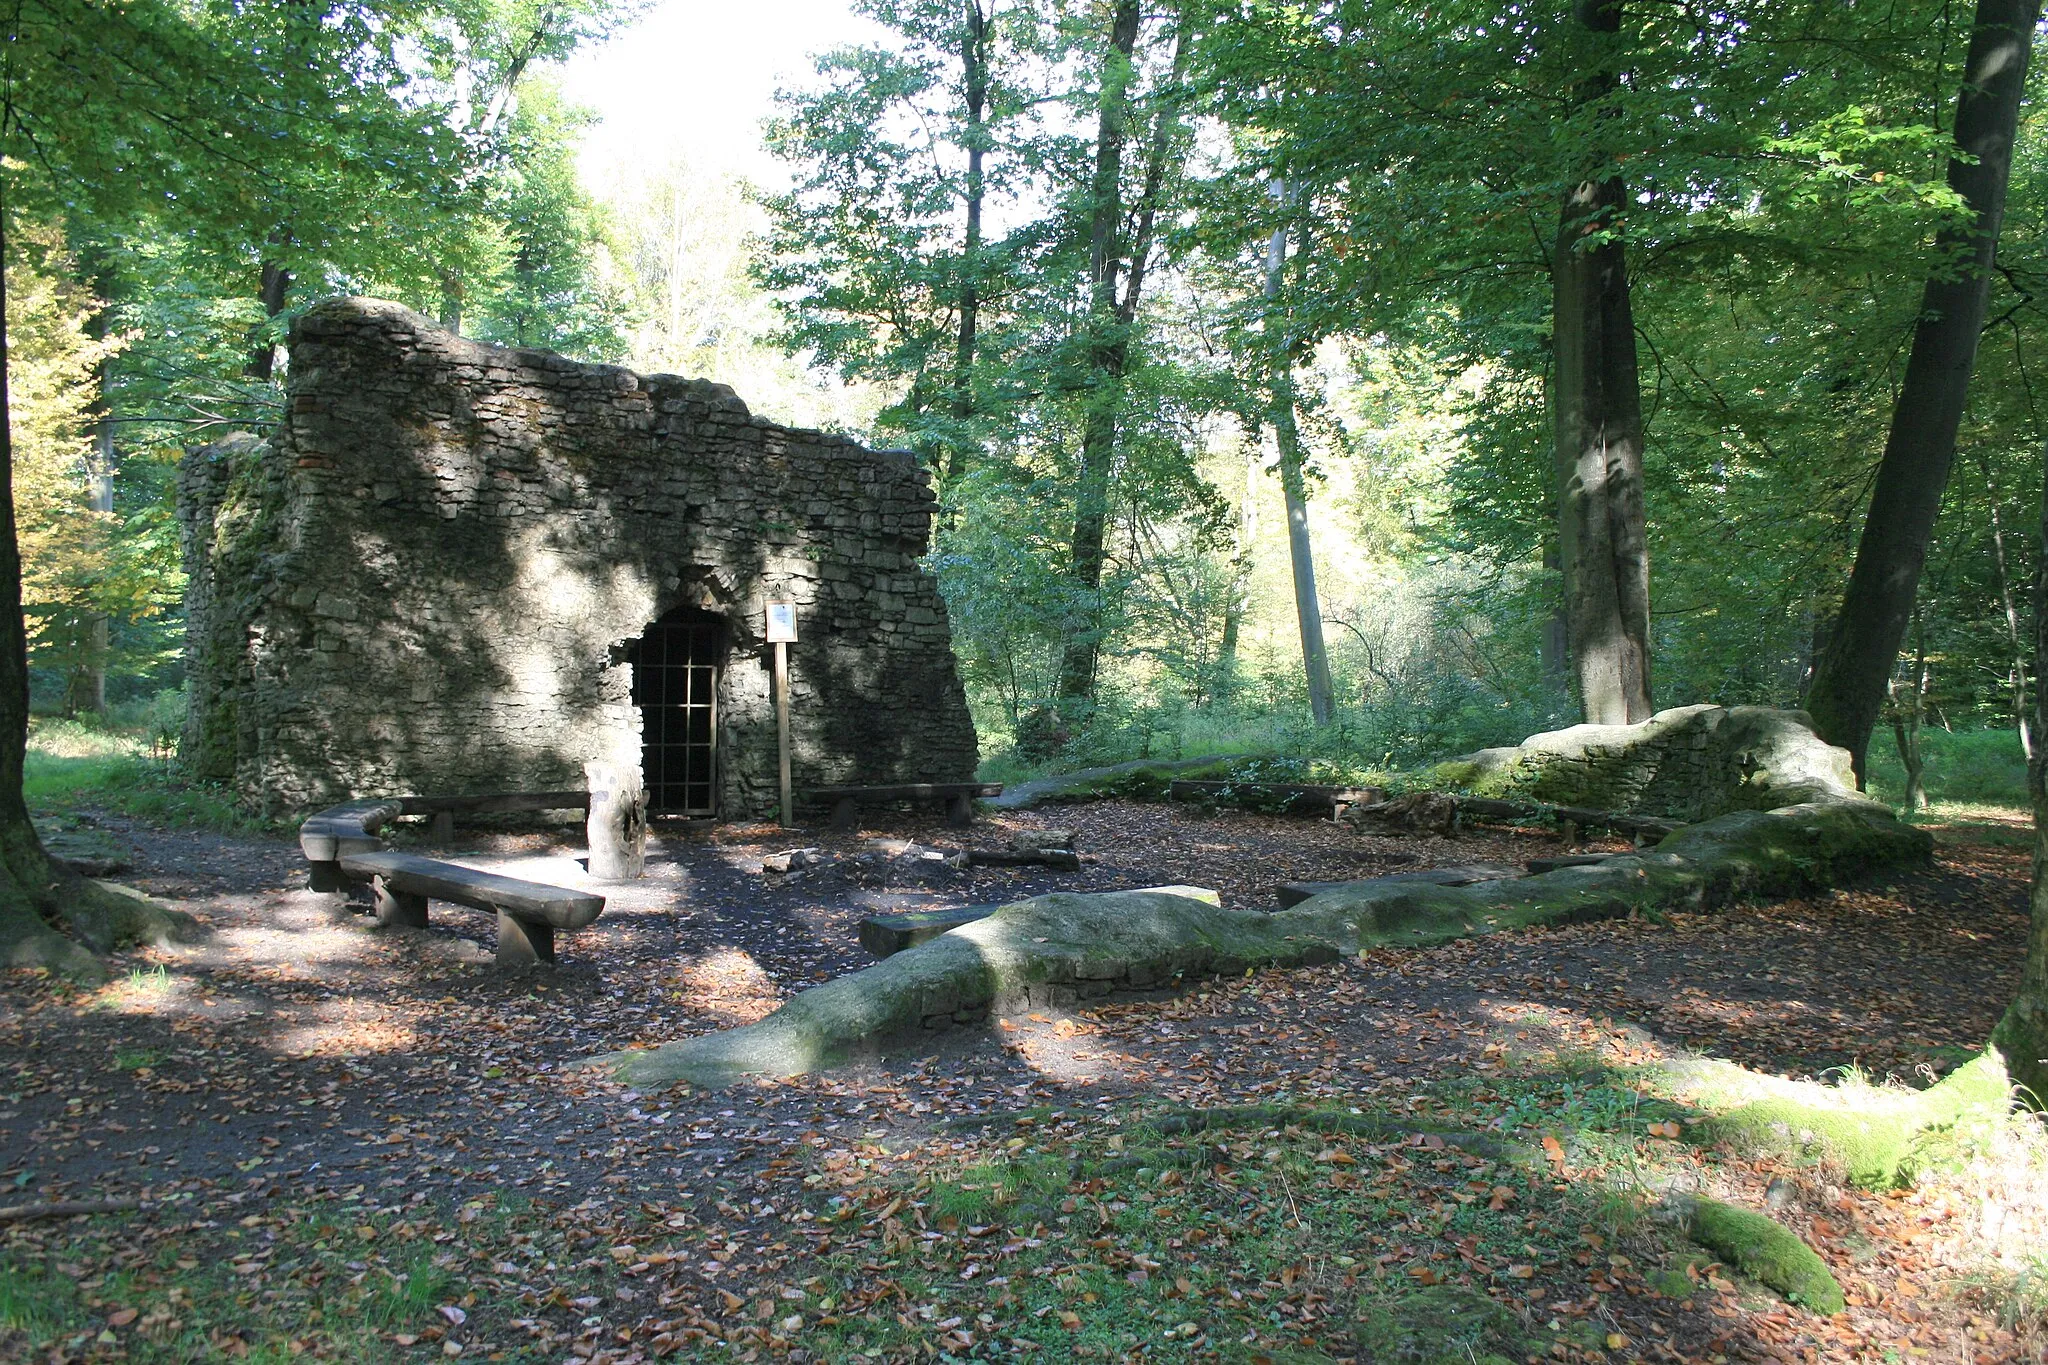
(461, 568)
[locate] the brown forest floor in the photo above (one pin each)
(298, 1059)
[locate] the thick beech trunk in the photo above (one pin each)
(1308, 611)
(1848, 686)
(1597, 411)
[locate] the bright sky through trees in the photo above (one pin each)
(698, 76)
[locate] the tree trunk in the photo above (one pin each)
(1909, 712)
(1308, 611)
(1599, 436)
(37, 893)
(1849, 677)
(1553, 650)
(451, 301)
(1238, 599)
(974, 70)
(1107, 355)
(2016, 671)
(2022, 1035)
(273, 288)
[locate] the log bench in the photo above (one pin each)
(352, 826)
(343, 848)
(528, 912)
(958, 796)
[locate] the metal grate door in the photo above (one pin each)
(675, 685)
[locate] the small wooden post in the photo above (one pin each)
(782, 728)
(782, 634)
(617, 826)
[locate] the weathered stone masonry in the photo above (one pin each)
(428, 580)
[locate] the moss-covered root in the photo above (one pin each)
(2021, 1040)
(1046, 950)
(1879, 1142)
(1766, 1251)
(101, 916)
(108, 915)
(25, 941)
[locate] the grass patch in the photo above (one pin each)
(70, 764)
(1434, 1233)
(330, 1280)
(1969, 774)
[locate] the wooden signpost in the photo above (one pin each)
(782, 634)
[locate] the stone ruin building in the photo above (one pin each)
(457, 568)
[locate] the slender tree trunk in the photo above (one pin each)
(1909, 713)
(1599, 436)
(1849, 677)
(974, 70)
(1553, 649)
(1308, 611)
(2022, 1035)
(92, 692)
(2016, 671)
(1244, 537)
(273, 288)
(1107, 355)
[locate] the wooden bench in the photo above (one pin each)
(352, 826)
(958, 796)
(528, 913)
(343, 848)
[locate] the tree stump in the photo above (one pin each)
(617, 827)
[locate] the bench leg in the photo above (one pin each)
(441, 832)
(325, 877)
(397, 909)
(845, 813)
(521, 943)
(960, 811)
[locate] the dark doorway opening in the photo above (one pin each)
(675, 685)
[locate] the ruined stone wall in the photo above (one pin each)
(1688, 763)
(426, 581)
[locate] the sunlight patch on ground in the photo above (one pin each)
(727, 982)
(1065, 1049)
(341, 1030)
(148, 990)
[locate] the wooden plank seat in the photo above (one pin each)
(958, 796)
(528, 913)
(352, 826)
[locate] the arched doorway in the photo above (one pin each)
(675, 686)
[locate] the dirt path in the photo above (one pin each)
(300, 1054)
